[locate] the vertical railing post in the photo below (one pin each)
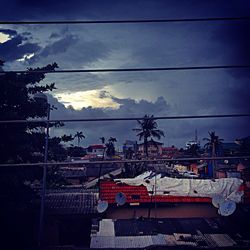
(43, 194)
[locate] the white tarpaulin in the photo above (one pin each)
(227, 187)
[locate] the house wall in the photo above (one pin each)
(153, 150)
(97, 151)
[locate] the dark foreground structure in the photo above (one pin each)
(169, 232)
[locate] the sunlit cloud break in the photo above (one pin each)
(4, 38)
(81, 99)
(25, 57)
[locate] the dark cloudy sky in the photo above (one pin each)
(133, 94)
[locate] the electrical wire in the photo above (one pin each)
(50, 164)
(127, 118)
(209, 19)
(126, 69)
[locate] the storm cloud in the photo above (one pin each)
(70, 50)
(194, 92)
(177, 132)
(16, 47)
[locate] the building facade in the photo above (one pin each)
(154, 148)
(96, 149)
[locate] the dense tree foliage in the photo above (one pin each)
(74, 151)
(244, 144)
(22, 142)
(194, 150)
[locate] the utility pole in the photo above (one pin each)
(42, 98)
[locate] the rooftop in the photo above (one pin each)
(97, 146)
(171, 232)
(151, 142)
(71, 203)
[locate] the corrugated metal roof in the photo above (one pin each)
(159, 239)
(120, 242)
(71, 203)
(102, 242)
(71, 189)
(221, 240)
(73, 173)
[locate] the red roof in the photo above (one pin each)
(170, 148)
(151, 142)
(109, 189)
(96, 146)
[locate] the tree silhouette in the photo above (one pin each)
(67, 138)
(17, 103)
(244, 144)
(110, 151)
(212, 146)
(213, 143)
(112, 139)
(79, 135)
(102, 139)
(193, 150)
(148, 128)
(23, 143)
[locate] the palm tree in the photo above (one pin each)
(102, 139)
(148, 129)
(111, 147)
(79, 136)
(112, 139)
(213, 144)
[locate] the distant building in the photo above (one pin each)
(74, 175)
(190, 143)
(230, 148)
(130, 145)
(129, 149)
(96, 149)
(170, 152)
(154, 148)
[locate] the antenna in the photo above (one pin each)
(196, 136)
(120, 198)
(102, 206)
(227, 208)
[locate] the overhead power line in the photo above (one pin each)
(209, 19)
(127, 118)
(127, 69)
(123, 161)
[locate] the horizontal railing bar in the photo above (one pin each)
(125, 161)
